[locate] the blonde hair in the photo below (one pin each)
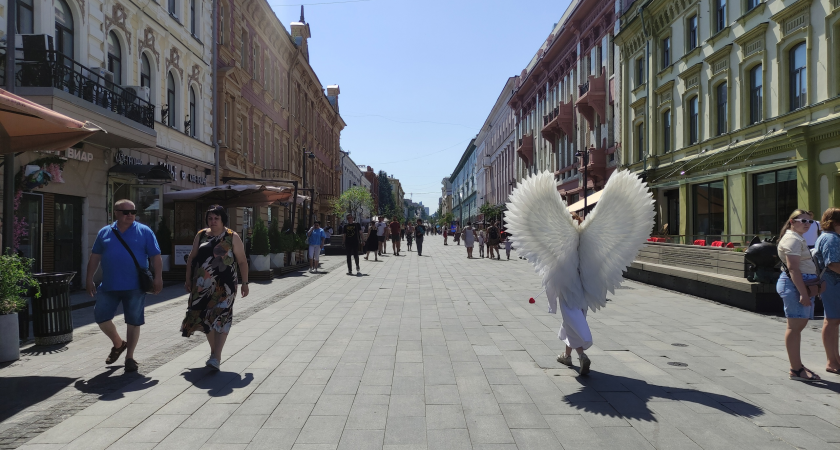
(796, 213)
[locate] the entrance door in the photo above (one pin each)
(672, 218)
(68, 236)
(31, 212)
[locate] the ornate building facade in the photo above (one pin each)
(495, 176)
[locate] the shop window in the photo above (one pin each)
(64, 26)
(798, 77)
(756, 94)
(115, 57)
(145, 198)
(774, 198)
(672, 218)
(708, 209)
(25, 16)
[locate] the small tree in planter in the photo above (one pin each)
(275, 240)
(15, 279)
(260, 247)
(164, 238)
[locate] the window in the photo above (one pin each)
(751, 4)
(721, 109)
(692, 33)
(640, 72)
(192, 117)
(640, 140)
(756, 105)
(693, 120)
(774, 197)
(666, 131)
(720, 15)
(64, 29)
(666, 52)
(114, 57)
(172, 8)
(708, 209)
(798, 77)
(170, 100)
(193, 29)
(25, 17)
(145, 71)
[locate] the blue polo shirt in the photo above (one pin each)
(118, 270)
(316, 236)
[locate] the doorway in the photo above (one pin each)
(68, 237)
(31, 212)
(672, 212)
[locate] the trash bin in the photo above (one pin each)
(52, 321)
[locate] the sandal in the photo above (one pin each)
(131, 365)
(115, 353)
(797, 375)
(834, 371)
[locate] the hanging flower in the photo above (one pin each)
(55, 172)
(20, 229)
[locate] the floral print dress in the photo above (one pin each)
(214, 281)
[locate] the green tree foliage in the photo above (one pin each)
(259, 239)
(275, 238)
(386, 195)
(446, 219)
(353, 201)
(15, 280)
(491, 212)
(164, 237)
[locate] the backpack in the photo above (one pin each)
(493, 233)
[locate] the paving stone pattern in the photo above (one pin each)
(442, 352)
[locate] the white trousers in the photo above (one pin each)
(575, 330)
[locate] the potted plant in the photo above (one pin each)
(15, 279)
(260, 248)
(164, 238)
(275, 240)
(300, 242)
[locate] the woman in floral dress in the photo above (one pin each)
(215, 263)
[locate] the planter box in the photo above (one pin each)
(9, 338)
(164, 259)
(277, 260)
(260, 263)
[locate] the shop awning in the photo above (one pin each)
(29, 126)
(145, 172)
(590, 200)
(233, 195)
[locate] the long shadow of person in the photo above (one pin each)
(617, 396)
(19, 393)
(218, 384)
(110, 387)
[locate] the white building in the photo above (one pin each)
(351, 175)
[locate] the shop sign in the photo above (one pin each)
(169, 167)
(182, 252)
(74, 153)
(122, 158)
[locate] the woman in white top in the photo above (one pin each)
(481, 241)
(798, 267)
(469, 239)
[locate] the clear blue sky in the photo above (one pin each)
(418, 77)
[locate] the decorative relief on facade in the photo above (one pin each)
(174, 61)
(194, 76)
(692, 82)
(664, 98)
(795, 23)
(720, 66)
(148, 43)
(117, 19)
(754, 47)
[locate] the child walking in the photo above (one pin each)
(507, 247)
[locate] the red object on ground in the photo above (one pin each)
(717, 244)
(730, 245)
(531, 300)
(700, 242)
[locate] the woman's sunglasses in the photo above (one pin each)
(127, 212)
(803, 220)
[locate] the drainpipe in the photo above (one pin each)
(9, 159)
(215, 86)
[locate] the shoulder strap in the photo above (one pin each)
(117, 234)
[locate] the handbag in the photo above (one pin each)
(816, 286)
(147, 280)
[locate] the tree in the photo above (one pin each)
(490, 211)
(386, 195)
(446, 219)
(259, 239)
(354, 200)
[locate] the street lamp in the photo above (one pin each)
(585, 155)
(310, 155)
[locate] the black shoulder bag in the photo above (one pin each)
(147, 280)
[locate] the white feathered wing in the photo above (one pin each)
(544, 233)
(612, 235)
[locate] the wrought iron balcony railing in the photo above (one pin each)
(583, 89)
(53, 69)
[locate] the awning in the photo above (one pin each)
(590, 200)
(145, 172)
(30, 126)
(233, 195)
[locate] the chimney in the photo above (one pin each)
(301, 34)
(332, 95)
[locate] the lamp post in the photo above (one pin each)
(585, 155)
(309, 155)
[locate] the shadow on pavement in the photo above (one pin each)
(617, 396)
(217, 384)
(107, 383)
(19, 393)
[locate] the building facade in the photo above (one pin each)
(445, 201)
(351, 174)
(732, 116)
(373, 182)
(495, 176)
(464, 187)
(397, 191)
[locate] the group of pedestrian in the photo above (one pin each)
(490, 239)
(806, 274)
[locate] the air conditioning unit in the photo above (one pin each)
(106, 76)
(142, 92)
(34, 47)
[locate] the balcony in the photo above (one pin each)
(557, 121)
(592, 97)
(526, 149)
(596, 169)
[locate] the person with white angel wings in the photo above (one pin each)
(579, 261)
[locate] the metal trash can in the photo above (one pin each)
(52, 320)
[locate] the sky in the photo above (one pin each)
(418, 77)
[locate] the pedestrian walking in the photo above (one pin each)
(445, 236)
(457, 236)
(328, 232)
(797, 285)
(125, 249)
(481, 239)
(493, 241)
(352, 241)
(372, 244)
(419, 233)
(315, 238)
(381, 229)
(469, 239)
(409, 234)
(213, 270)
(508, 245)
(395, 230)
(827, 256)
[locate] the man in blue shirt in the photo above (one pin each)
(315, 237)
(120, 278)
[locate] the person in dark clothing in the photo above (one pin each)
(372, 244)
(352, 241)
(419, 232)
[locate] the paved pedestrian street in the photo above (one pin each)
(431, 352)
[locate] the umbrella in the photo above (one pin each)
(30, 126)
(233, 195)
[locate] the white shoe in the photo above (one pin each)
(214, 363)
(584, 364)
(565, 360)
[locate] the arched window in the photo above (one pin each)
(114, 57)
(145, 71)
(193, 118)
(64, 29)
(798, 77)
(170, 100)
